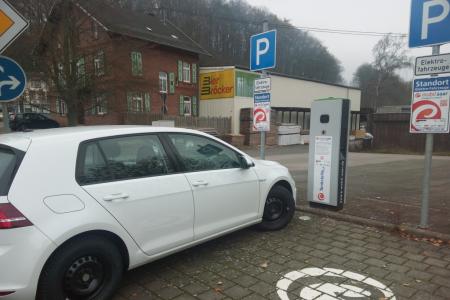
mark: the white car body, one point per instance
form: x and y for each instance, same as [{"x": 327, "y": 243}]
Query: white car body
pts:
[{"x": 154, "y": 219}]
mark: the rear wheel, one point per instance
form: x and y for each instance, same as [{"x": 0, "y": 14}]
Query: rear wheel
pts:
[
  {"x": 86, "y": 268},
  {"x": 278, "y": 210}
]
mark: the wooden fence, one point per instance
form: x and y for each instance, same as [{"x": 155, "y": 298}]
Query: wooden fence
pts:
[
  {"x": 222, "y": 125},
  {"x": 391, "y": 132}
]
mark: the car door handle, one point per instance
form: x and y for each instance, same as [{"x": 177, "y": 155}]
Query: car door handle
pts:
[
  {"x": 118, "y": 196},
  {"x": 200, "y": 183}
]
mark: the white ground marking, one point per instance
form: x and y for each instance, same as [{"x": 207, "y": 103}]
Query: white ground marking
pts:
[{"x": 331, "y": 290}]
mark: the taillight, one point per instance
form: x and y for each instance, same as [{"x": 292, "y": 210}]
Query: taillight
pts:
[
  {"x": 6, "y": 293},
  {"x": 10, "y": 217}
]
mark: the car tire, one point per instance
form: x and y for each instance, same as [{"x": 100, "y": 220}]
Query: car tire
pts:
[
  {"x": 278, "y": 210},
  {"x": 23, "y": 127},
  {"x": 85, "y": 268}
]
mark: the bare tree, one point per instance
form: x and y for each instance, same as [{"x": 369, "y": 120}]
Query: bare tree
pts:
[
  {"x": 63, "y": 60},
  {"x": 390, "y": 55}
]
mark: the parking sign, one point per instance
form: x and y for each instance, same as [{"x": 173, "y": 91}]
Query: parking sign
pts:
[
  {"x": 263, "y": 50},
  {"x": 429, "y": 23}
]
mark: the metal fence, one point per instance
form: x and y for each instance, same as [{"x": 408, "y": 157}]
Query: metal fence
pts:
[{"x": 222, "y": 125}]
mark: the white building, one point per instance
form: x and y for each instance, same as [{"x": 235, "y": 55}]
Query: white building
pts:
[{"x": 224, "y": 91}]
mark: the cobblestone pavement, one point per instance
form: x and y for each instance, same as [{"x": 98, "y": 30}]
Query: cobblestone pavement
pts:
[{"x": 249, "y": 264}]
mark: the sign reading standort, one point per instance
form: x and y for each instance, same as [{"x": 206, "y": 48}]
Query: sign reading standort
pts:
[
  {"x": 430, "y": 105},
  {"x": 433, "y": 64}
]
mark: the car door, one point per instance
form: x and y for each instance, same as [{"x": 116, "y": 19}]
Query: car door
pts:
[
  {"x": 225, "y": 195},
  {"x": 133, "y": 178}
]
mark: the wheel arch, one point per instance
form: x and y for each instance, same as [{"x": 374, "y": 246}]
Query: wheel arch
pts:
[{"x": 114, "y": 238}]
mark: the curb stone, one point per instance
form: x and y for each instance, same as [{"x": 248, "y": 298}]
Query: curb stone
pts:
[{"x": 385, "y": 226}]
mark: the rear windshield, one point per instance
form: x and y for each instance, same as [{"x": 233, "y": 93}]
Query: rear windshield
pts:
[{"x": 9, "y": 162}]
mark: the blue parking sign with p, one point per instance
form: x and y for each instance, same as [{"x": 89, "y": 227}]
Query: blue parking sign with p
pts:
[
  {"x": 430, "y": 23},
  {"x": 263, "y": 50}
]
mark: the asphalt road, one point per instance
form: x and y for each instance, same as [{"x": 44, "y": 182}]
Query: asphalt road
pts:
[{"x": 383, "y": 187}]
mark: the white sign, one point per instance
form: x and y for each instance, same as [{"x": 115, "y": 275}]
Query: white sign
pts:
[
  {"x": 12, "y": 24},
  {"x": 434, "y": 64},
  {"x": 262, "y": 85},
  {"x": 430, "y": 105},
  {"x": 332, "y": 284},
  {"x": 261, "y": 112},
  {"x": 322, "y": 169}
]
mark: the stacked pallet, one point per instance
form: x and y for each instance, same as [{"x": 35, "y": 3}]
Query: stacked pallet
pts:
[
  {"x": 251, "y": 137},
  {"x": 288, "y": 134}
]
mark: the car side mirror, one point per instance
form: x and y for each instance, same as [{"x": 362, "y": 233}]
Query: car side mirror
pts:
[{"x": 246, "y": 163}]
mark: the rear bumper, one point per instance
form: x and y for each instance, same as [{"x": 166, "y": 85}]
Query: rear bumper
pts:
[{"x": 23, "y": 253}]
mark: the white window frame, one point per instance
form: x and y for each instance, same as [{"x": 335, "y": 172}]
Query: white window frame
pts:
[
  {"x": 99, "y": 63},
  {"x": 187, "y": 106},
  {"x": 163, "y": 82},
  {"x": 137, "y": 102},
  {"x": 186, "y": 72},
  {"x": 61, "y": 107}
]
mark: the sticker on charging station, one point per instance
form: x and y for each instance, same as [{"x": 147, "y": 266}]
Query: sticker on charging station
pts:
[{"x": 322, "y": 169}]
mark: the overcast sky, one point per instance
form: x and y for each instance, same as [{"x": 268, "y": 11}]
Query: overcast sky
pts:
[{"x": 361, "y": 15}]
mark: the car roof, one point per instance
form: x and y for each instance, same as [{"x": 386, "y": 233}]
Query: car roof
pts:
[{"x": 21, "y": 140}]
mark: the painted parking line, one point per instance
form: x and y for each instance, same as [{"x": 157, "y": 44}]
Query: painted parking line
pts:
[{"x": 329, "y": 284}]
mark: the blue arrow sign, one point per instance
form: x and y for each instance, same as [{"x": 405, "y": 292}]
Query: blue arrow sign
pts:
[
  {"x": 263, "y": 50},
  {"x": 429, "y": 23},
  {"x": 12, "y": 79}
]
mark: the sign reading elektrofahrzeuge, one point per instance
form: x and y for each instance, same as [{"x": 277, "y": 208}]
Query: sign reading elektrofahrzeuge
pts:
[
  {"x": 430, "y": 105},
  {"x": 12, "y": 24},
  {"x": 262, "y": 85},
  {"x": 432, "y": 64}
]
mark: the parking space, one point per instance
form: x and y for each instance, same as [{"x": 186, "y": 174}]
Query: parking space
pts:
[{"x": 318, "y": 258}]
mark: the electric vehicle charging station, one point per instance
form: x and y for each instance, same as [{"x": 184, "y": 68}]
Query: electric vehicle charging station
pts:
[{"x": 328, "y": 151}]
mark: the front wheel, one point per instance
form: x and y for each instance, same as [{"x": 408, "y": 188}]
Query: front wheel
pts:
[
  {"x": 279, "y": 209},
  {"x": 88, "y": 268}
]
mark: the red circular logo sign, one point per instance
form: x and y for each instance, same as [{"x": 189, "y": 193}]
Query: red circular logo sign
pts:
[{"x": 321, "y": 196}]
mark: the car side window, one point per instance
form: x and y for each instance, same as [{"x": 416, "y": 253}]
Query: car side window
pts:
[
  {"x": 200, "y": 153},
  {"x": 123, "y": 158}
]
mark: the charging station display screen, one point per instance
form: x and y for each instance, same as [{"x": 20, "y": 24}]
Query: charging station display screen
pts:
[{"x": 322, "y": 168}]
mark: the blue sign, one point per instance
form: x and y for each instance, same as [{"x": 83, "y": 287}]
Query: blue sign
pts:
[
  {"x": 260, "y": 98},
  {"x": 432, "y": 84},
  {"x": 12, "y": 79},
  {"x": 429, "y": 23},
  {"x": 263, "y": 50}
]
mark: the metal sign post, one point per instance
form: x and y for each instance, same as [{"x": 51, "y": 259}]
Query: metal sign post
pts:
[
  {"x": 425, "y": 207},
  {"x": 262, "y": 57},
  {"x": 429, "y": 25}
]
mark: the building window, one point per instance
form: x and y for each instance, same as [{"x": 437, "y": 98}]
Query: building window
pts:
[
  {"x": 81, "y": 71},
  {"x": 99, "y": 105},
  {"x": 35, "y": 84},
  {"x": 187, "y": 106},
  {"x": 138, "y": 102},
  {"x": 61, "y": 107},
  {"x": 99, "y": 63},
  {"x": 94, "y": 29},
  {"x": 163, "y": 82},
  {"x": 136, "y": 63},
  {"x": 186, "y": 72}
]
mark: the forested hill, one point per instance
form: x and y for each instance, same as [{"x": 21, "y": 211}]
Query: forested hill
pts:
[{"x": 223, "y": 27}]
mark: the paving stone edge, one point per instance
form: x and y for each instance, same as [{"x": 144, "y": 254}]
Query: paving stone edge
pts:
[{"x": 385, "y": 226}]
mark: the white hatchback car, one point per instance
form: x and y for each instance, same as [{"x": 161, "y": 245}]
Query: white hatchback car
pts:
[{"x": 79, "y": 206}]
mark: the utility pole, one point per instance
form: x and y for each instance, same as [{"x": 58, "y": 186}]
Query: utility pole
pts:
[
  {"x": 5, "y": 118},
  {"x": 262, "y": 149}
]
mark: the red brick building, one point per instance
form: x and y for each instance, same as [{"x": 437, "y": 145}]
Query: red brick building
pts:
[{"x": 139, "y": 63}]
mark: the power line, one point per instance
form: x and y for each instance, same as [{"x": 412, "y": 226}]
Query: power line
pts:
[{"x": 288, "y": 26}]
